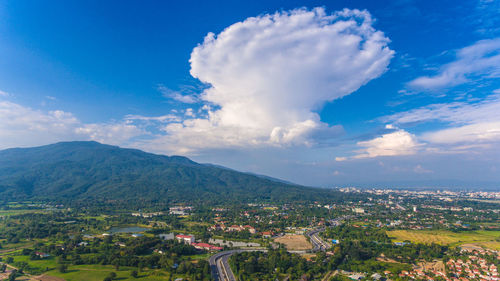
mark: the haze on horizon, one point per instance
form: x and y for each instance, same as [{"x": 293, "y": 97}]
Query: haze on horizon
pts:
[{"x": 318, "y": 93}]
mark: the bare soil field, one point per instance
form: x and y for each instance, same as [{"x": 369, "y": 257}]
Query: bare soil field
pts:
[
  {"x": 48, "y": 278},
  {"x": 431, "y": 266},
  {"x": 294, "y": 242}
]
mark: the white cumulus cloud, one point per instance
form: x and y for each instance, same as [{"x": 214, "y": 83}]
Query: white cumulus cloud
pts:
[
  {"x": 396, "y": 143},
  {"x": 23, "y": 126},
  {"x": 269, "y": 74}
]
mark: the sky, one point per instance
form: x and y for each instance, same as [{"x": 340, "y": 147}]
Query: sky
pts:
[{"x": 395, "y": 93}]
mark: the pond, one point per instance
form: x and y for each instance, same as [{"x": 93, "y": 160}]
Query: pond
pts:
[{"x": 128, "y": 229}]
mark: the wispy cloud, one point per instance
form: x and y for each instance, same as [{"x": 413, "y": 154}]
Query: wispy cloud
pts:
[
  {"x": 163, "y": 118},
  {"x": 177, "y": 95},
  {"x": 464, "y": 122},
  {"x": 483, "y": 110},
  {"x": 480, "y": 59}
]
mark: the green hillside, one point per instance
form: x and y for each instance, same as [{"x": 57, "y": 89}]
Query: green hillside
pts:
[{"x": 90, "y": 170}]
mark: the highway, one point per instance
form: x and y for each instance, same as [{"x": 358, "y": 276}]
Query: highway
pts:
[
  {"x": 221, "y": 271},
  {"x": 219, "y": 265},
  {"x": 318, "y": 243}
]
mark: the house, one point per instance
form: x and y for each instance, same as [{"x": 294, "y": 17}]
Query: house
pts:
[
  {"x": 205, "y": 246},
  {"x": 234, "y": 228},
  {"x": 250, "y": 229},
  {"x": 266, "y": 234},
  {"x": 188, "y": 239},
  {"x": 42, "y": 255}
]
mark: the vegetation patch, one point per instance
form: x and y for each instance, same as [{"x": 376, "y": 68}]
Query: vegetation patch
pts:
[{"x": 443, "y": 237}]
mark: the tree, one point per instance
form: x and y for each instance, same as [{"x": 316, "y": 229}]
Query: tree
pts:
[
  {"x": 134, "y": 273},
  {"x": 12, "y": 276},
  {"x": 62, "y": 268},
  {"x": 3, "y": 268}
]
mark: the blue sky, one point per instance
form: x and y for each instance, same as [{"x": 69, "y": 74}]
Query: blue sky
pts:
[{"x": 325, "y": 93}]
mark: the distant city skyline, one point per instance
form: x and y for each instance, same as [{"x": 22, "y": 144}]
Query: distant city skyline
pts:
[{"x": 321, "y": 93}]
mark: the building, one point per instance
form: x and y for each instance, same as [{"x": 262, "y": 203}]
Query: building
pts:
[
  {"x": 267, "y": 234},
  {"x": 234, "y": 228},
  {"x": 42, "y": 255},
  {"x": 207, "y": 247},
  {"x": 250, "y": 229},
  {"x": 188, "y": 239},
  {"x": 358, "y": 210},
  {"x": 167, "y": 236}
]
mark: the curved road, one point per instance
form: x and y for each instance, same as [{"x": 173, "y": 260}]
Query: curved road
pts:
[
  {"x": 219, "y": 265},
  {"x": 318, "y": 243},
  {"x": 221, "y": 271}
]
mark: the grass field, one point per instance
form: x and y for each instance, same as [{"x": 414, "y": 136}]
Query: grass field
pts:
[
  {"x": 7, "y": 213},
  {"x": 42, "y": 264},
  {"x": 99, "y": 272},
  {"x": 90, "y": 272},
  {"x": 483, "y": 238}
]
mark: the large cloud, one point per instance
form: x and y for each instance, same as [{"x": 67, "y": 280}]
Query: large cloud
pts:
[{"x": 269, "y": 74}]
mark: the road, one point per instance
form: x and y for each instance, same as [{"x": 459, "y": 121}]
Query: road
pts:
[
  {"x": 220, "y": 268},
  {"x": 221, "y": 271},
  {"x": 318, "y": 243},
  {"x": 219, "y": 265}
]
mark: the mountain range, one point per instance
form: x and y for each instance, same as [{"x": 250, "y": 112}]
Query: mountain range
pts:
[{"x": 69, "y": 171}]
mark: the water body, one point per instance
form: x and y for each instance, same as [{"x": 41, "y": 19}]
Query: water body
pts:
[{"x": 129, "y": 229}]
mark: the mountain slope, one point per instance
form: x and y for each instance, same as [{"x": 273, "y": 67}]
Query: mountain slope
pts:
[{"x": 90, "y": 170}]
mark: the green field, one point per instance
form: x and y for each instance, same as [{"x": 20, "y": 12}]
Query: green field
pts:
[
  {"x": 89, "y": 272},
  {"x": 489, "y": 239},
  {"x": 6, "y": 213},
  {"x": 98, "y": 272}
]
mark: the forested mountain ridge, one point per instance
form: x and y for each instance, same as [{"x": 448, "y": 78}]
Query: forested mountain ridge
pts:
[{"x": 90, "y": 170}]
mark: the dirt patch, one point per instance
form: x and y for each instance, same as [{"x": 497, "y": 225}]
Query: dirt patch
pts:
[
  {"x": 48, "y": 278},
  {"x": 471, "y": 247},
  {"x": 294, "y": 242},
  {"x": 431, "y": 266},
  {"x": 308, "y": 256},
  {"x": 383, "y": 258}
]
